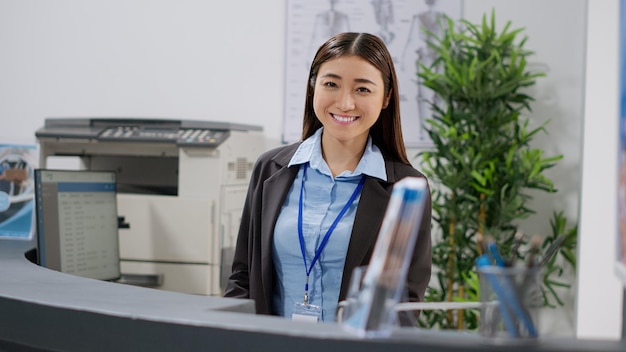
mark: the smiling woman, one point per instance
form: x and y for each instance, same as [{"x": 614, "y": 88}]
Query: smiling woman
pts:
[
  {"x": 349, "y": 96},
  {"x": 331, "y": 189}
]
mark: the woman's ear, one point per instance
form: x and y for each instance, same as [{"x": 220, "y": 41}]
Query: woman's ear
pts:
[{"x": 386, "y": 101}]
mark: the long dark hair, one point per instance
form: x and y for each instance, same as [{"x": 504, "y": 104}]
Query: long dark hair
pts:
[{"x": 386, "y": 133}]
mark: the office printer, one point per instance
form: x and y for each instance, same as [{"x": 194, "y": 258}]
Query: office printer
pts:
[{"x": 181, "y": 189}]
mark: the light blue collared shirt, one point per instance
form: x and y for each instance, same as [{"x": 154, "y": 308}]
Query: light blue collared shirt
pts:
[{"x": 324, "y": 197}]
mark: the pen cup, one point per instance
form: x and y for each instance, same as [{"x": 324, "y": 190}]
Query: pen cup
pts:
[{"x": 511, "y": 300}]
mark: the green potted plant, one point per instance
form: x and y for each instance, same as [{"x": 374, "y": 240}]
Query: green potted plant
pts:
[{"x": 482, "y": 164}]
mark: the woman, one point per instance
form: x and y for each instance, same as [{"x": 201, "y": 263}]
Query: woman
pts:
[{"x": 314, "y": 208}]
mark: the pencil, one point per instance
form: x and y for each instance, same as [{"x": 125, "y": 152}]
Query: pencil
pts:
[
  {"x": 552, "y": 249},
  {"x": 535, "y": 243}
]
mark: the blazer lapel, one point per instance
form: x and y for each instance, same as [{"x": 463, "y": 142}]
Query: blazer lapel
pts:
[
  {"x": 365, "y": 230},
  {"x": 367, "y": 222},
  {"x": 275, "y": 190}
]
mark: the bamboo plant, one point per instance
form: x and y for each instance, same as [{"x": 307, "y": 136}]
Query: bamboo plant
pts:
[{"x": 482, "y": 165}]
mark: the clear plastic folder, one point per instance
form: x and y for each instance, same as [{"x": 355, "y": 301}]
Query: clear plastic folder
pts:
[{"x": 375, "y": 291}]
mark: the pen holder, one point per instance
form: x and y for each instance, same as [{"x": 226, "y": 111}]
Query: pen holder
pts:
[{"x": 510, "y": 303}]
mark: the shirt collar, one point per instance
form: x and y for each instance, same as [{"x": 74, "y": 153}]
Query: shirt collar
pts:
[{"x": 372, "y": 162}]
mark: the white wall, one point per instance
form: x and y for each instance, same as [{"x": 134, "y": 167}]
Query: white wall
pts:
[
  {"x": 599, "y": 303},
  {"x": 183, "y": 59},
  {"x": 224, "y": 61}
]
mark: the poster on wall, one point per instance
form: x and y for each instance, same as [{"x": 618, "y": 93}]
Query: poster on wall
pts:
[
  {"x": 399, "y": 23},
  {"x": 17, "y": 165},
  {"x": 621, "y": 188}
]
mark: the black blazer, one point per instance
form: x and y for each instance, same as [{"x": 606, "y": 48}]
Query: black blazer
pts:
[{"x": 253, "y": 270}]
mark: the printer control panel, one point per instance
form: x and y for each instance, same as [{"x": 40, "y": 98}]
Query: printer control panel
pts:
[
  {"x": 201, "y": 137},
  {"x": 182, "y": 133}
]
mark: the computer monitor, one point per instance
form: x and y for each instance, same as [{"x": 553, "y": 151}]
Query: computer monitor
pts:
[{"x": 77, "y": 223}]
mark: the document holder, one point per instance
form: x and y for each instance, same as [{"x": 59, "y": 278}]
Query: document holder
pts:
[{"x": 370, "y": 307}]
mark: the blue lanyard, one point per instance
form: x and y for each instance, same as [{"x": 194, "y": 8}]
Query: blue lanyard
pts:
[{"x": 319, "y": 250}]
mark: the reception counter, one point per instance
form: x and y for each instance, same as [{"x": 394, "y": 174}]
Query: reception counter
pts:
[{"x": 45, "y": 310}]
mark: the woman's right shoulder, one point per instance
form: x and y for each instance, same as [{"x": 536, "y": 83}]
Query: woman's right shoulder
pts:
[
  {"x": 280, "y": 154},
  {"x": 272, "y": 161}
]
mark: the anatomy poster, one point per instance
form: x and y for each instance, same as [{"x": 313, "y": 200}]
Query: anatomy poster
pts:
[
  {"x": 17, "y": 164},
  {"x": 399, "y": 23}
]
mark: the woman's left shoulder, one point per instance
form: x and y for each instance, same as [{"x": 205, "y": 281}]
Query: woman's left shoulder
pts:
[{"x": 402, "y": 170}]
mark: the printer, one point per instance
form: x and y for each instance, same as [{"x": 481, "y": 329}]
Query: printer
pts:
[{"x": 181, "y": 188}]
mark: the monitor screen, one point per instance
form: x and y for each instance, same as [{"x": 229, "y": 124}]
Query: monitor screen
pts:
[{"x": 77, "y": 226}]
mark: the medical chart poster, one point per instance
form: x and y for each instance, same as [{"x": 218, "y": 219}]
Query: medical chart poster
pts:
[
  {"x": 17, "y": 164},
  {"x": 399, "y": 23}
]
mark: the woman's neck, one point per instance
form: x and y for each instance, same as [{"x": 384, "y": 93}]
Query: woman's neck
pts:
[{"x": 341, "y": 156}]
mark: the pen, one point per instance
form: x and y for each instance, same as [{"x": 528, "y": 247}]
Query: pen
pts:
[
  {"x": 517, "y": 241},
  {"x": 552, "y": 249},
  {"x": 535, "y": 243},
  {"x": 492, "y": 247},
  {"x": 509, "y": 323}
]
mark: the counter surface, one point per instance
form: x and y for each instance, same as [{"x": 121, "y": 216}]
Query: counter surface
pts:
[{"x": 47, "y": 310}]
